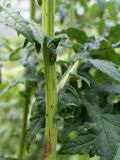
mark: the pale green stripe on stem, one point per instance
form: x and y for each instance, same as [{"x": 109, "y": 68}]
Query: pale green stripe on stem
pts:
[{"x": 48, "y": 12}]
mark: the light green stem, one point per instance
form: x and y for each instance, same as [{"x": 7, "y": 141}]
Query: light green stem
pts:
[
  {"x": 27, "y": 99},
  {"x": 48, "y": 7},
  {"x": 0, "y": 74},
  {"x": 72, "y": 19},
  {"x": 72, "y": 12},
  {"x": 32, "y": 9},
  {"x": 84, "y": 157},
  {"x": 24, "y": 124}
]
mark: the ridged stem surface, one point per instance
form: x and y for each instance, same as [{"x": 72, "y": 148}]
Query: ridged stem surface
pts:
[{"x": 48, "y": 12}]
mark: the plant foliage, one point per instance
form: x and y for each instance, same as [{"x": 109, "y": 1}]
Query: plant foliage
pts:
[{"x": 88, "y": 85}]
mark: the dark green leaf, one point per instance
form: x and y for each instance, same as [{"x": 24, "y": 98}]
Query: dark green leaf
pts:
[
  {"x": 102, "y": 139},
  {"x": 7, "y": 158},
  {"x": 39, "y": 2},
  {"x": 37, "y": 47},
  {"x": 101, "y": 4},
  {"x": 80, "y": 78},
  {"x": 25, "y": 43},
  {"x": 12, "y": 84},
  {"x": 76, "y": 34},
  {"x": 79, "y": 145},
  {"x": 37, "y": 118},
  {"x": 33, "y": 129},
  {"x": 117, "y": 156},
  {"x": 106, "y": 67},
  {"x": 13, "y": 19},
  {"x": 112, "y": 88},
  {"x": 114, "y": 34},
  {"x": 14, "y": 55}
]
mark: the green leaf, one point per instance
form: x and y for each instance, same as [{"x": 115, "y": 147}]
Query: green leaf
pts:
[
  {"x": 33, "y": 129},
  {"x": 111, "y": 88},
  {"x": 37, "y": 47},
  {"x": 79, "y": 145},
  {"x": 76, "y": 34},
  {"x": 25, "y": 43},
  {"x": 29, "y": 29},
  {"x": 68, "y": 101},
  {"x": 117, "y": 156},
  {"x": 105, "y": 50},
  {"x": 107, "y": 130},
  {"x": 53, "y": 44},
  {"x": 12, "y": 84},
  {"x": 106, "y": 67},
  {"x": 37, "y": 33},
  {"x": 39, "y": 2},
  {"x": 72, "y": 68},
  {"x": 102, "y": 139},
  {"x": 101, "y": 4},
  {"x": 14, "y": 55},
  {"x": 80, "y": 78},
  {"x": 7, "y": 158},
  {"x": 111, "y": 6},
  {"x": 102, "y": 49},
  {"x": 37, "y": 118},
  {"x": 114, "y": 34}
]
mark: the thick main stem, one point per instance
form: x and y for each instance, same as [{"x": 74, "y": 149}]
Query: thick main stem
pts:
[{"x": 48, "y": 11}]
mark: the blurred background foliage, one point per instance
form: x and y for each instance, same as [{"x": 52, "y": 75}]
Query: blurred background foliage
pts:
[{"x": 18, "y": 65}]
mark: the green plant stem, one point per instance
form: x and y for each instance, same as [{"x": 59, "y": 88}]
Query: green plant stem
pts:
[
  {"x": 32, "y": 9},
  {"x": 27, "y": 99},
  {"x": 48, "y": 7},
  {"x": 24, "y": 123},
  {"x": 71, "y": 17},
  {"x": 72, "y": 12},
  {"x": 0, "y": 75},
  {"x": 84, "y": 157}
]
